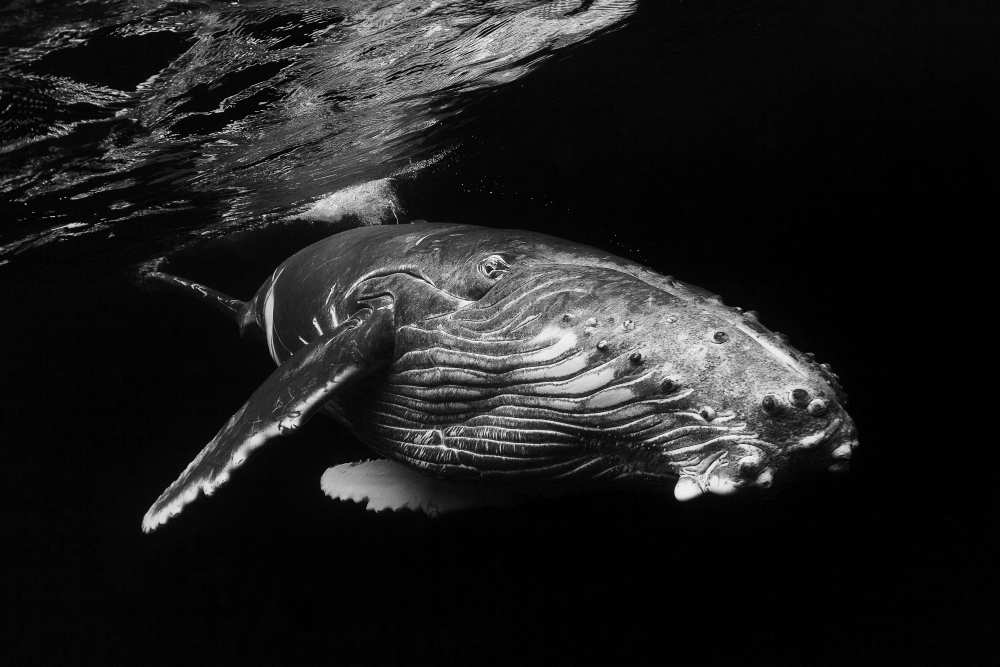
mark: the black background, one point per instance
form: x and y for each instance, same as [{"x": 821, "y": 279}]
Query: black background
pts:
[{"x": 809, "y": 163}]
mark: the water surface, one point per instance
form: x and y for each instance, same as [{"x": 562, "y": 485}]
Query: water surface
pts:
[{"x": 163, "y": 121}]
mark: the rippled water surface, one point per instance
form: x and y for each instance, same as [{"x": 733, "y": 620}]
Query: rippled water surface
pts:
[{"x": 129, "y": 117}]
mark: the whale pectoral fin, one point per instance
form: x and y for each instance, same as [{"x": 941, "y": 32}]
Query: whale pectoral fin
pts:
[
  {"x": 387, "y": 485},
  {"x": 289, "y": 397}
]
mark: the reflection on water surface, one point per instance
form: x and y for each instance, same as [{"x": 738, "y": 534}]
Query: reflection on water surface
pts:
[{"x": 156, "y": 120}]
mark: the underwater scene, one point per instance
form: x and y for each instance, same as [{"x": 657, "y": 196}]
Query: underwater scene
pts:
[{"x": 803, "y": 161}]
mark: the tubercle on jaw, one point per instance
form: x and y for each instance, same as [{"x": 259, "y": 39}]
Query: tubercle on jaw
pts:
[
  {"x": 689, "y": 487},
  {"x": 722, "y": 473}
]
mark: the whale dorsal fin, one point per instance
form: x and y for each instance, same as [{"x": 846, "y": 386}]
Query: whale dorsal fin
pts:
[
  {"x": 286, "y": 400},
  {"x": 382, "y": 484}
]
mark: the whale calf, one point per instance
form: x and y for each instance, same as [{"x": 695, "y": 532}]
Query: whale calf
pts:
[{"x": 477, "y": 361}]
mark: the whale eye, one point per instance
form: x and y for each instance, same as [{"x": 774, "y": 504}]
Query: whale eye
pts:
[
  {"x": 494, "y": 267},
  {"x": 720, "y": 337}
]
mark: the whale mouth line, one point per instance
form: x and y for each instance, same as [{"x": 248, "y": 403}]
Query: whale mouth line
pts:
[
  {"x": 819, "y": 437},
  {"x": 739, "y": 463}
]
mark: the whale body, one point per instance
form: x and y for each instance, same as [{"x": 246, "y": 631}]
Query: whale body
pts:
[{"x": 484, "y": 361}]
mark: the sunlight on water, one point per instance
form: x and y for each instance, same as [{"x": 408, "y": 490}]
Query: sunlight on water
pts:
[{"x": 156, "y": 121}]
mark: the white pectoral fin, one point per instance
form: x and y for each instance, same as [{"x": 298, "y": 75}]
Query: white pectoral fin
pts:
[
  {"x": 284, "y": 402},
  {"x": 387, "y": 485}
]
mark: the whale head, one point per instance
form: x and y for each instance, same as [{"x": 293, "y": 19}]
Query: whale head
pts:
[
  {"x": 659, "y": 382},
  {"x": 568, "y": 362}
]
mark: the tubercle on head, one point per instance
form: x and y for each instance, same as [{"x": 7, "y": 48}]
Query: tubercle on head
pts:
[
  {"x": 793, "y": 401},
  {"x": 748, "y": 323},
  {"x": 751, "y": 319}
]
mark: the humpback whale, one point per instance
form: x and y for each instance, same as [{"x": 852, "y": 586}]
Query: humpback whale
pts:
[{"x": 480, "y": 363}]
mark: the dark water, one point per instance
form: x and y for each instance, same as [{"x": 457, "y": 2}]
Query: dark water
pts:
[{"x": 809, "y": 162}]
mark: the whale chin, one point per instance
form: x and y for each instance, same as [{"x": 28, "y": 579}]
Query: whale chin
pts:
[
  {"x": 731, "y": 468},
  {"x": 688, "y": 487}
]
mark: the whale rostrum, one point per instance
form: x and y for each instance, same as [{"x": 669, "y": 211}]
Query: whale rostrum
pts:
[{"x": 483, "y": 365}]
